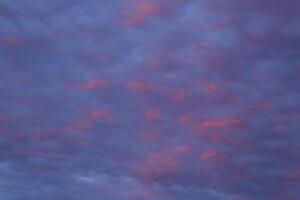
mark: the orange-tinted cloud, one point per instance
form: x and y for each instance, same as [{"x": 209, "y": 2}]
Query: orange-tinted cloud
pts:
[
  {"x": 152, "y": 114},
  {"x": 137, "y": 86},
  {"x": 212, "y": 156},
  {"x": 210, "y": 87},
  {"x": 159, "y": 166},
  {"x": 184, "y": 118},
  {"x": 139, "y": 12},
  {"x": 90, "y": 85},
  {"x": 178, "y": 96},
  {"x": 217, "y": 123},
  {"x": 100, "y": 115}
]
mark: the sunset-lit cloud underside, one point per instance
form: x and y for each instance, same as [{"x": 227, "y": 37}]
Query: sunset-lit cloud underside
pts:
[{"x": 149, "y": 100}]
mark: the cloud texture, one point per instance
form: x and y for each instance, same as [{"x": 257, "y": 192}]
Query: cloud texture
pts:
[{"x": 149, "y": 100}]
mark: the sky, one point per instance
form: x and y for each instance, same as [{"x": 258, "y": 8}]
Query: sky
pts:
[{"x": 149, "y": 100}]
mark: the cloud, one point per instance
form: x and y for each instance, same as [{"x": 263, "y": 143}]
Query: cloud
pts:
[{"x": 149, "y": 100}]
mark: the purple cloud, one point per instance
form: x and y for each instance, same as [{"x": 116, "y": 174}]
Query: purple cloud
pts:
[{"x": 149, "y": 100}]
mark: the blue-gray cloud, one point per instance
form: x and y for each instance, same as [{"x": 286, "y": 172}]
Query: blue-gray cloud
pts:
[{"x": 149, "y": 100}]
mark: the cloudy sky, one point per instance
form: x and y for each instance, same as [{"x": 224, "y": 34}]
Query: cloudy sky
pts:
[{"x": 149, "y": 100}]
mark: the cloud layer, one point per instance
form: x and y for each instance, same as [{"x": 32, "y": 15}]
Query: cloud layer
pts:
[{"x": 149, "y": 99}]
